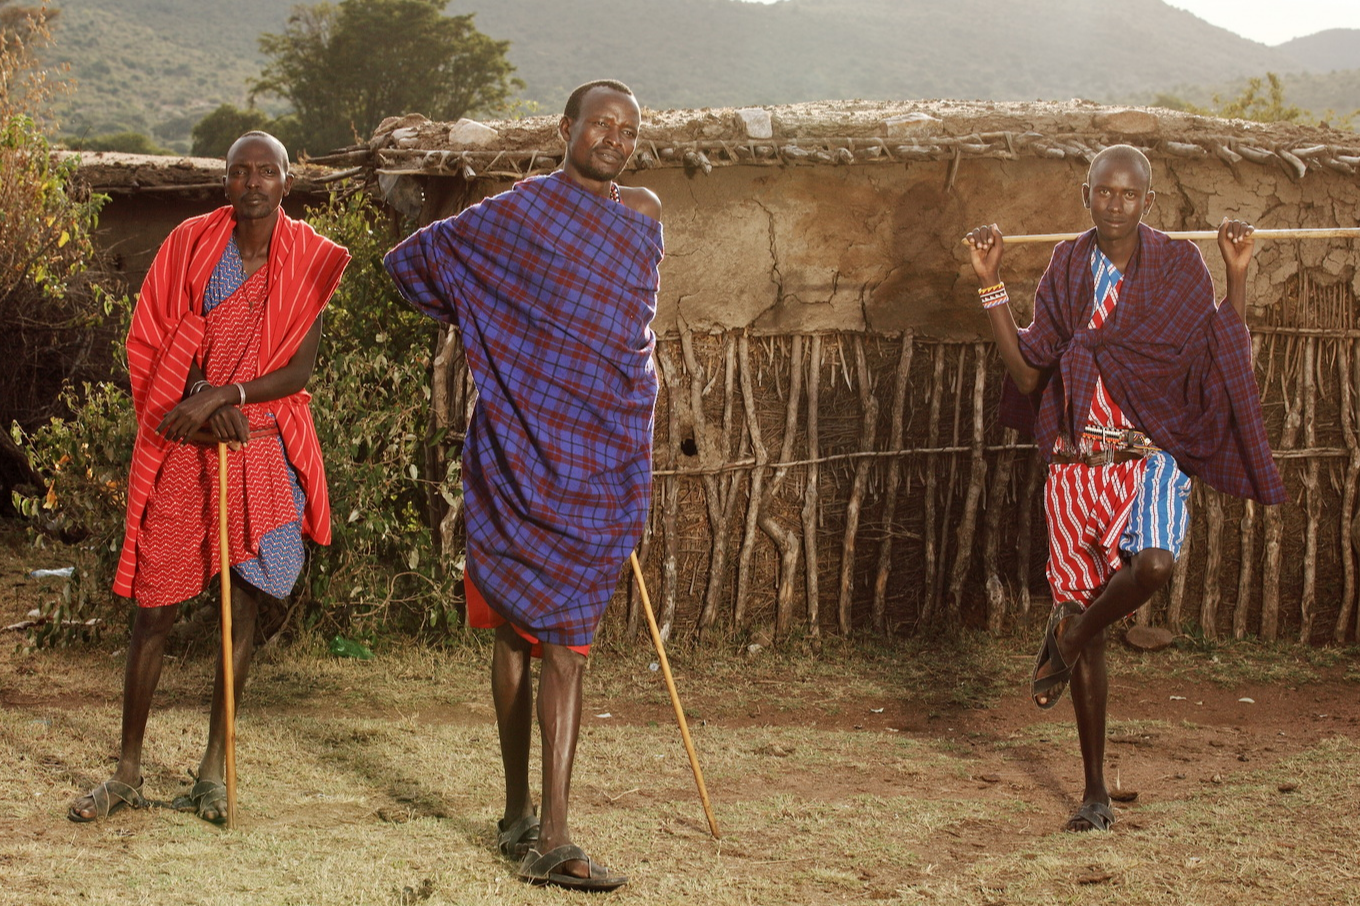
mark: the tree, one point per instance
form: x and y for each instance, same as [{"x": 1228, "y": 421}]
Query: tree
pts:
[
  {"x": 54, "y": 297},
  {"x": 1250, "y": 105},
  {"x": 214, "y": 133},
  {"x": 345, "y": 67}
]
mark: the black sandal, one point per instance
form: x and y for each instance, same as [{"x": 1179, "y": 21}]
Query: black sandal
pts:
[
  {"x": 1051, "y": 686},
  {"x": 515, "y": 839},
  {"x": 204, "y": 794},
  {"x": 1097, "y": 814},
  {"x": 540, "y": 868}
]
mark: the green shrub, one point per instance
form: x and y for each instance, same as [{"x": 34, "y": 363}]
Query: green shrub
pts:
[
  {"x": 126, "y": 142},
  {"x": 85, "y": 462},
  {"x": 372, "y": 410}
]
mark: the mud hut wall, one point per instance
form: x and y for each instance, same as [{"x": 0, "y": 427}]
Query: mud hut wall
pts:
[
  {"x": 132, "y": 226},
  {"x": 868, "y": 259}
]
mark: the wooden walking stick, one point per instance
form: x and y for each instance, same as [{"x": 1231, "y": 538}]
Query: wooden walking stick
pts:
[
  {"x": 1322, "y": 233},
  {"x": 675, "y": 697},
  {"x": 228, "y": 671}
]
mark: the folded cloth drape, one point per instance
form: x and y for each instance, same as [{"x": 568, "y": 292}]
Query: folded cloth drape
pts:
[{"x": 554, "y": 289}]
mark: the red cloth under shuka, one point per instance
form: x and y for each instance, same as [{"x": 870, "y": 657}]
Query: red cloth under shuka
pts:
[{"x": 167, "y": 334}]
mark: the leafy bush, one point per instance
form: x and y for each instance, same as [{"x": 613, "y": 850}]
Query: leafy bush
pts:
[
  {"x": 85, "y": 461},
  {"x": 126, "y": 142},
  {"x": 214, "y": 133},
  {"x": 372, "y": 410}
]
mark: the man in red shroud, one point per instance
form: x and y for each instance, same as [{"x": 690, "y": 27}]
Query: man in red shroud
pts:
[{"x": 223, "y": 340}]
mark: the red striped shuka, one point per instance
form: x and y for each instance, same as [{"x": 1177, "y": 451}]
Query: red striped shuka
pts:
[{"x": 168, "y": 333}]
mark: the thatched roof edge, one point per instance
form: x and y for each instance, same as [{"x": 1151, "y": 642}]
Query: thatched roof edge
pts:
[
  {"x": 853, "y": 133},
  {"x": 115, "y": 173}
]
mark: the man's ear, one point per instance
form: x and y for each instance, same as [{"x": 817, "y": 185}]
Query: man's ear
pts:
[
  {"x": 1148, "y": 201},
  {"x": 564, "y": 128},
  {"x": 1086, "y": 196}
]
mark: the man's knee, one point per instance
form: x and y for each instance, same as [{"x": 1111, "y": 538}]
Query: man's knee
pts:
[
  {"x": 153, "y": 622},
  {"x": 510, "y": 642},
  {"x": 1152, "y": 567},
  {"x": 565, "y": 665},
  {"x": 561, "y": 656},
  {"x": 245, "y": 601}
]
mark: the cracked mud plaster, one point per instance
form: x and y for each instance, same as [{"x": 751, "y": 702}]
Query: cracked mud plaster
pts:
[{"x": 879, "y": 248}]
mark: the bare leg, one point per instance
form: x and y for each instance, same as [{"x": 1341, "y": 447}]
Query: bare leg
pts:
[
  {"x": 1128, "y": 589},
  {"x": 1090, "y": 698},
  {"x": 1083, "y": 637},
  {"x": 512, "y": 692},
  {"x": 559, "y": 721},
  {"x": 146, "y": 656},
  {"x": 245, "y": 607}
]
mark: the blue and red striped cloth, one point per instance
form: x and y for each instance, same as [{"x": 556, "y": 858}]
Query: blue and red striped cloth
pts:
[{"x": 554, "y": 290}]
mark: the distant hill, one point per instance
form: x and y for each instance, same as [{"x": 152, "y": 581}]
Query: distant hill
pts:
[
  {"x": 1326, "y": 51},
  {"x": 156, "y": 66},
  {"x": 1320, "y": 92},
  {"x": 690, "y": 53}
]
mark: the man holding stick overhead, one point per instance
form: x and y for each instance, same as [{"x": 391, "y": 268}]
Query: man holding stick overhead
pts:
[
  {"x": 222, "y": 343},
  {"x": 1138, "y": 380},
  {"x": 553, "y": 286}
]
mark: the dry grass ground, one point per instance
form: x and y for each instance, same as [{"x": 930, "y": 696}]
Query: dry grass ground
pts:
[{"x": 377, "y": 782}]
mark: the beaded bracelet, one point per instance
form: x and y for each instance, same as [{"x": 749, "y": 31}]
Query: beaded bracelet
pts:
[
  {"x": 995, "y": 296},
  {"x": 988, "y": 290}
]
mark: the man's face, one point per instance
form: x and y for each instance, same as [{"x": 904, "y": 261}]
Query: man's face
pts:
[
  {"x": 1118, "y": 196},
  {"x": 257, "y": 178},
  {"x": 602, "y": 138}
]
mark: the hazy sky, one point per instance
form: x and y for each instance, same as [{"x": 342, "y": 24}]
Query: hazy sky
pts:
[{"x": 1267, "y": 21}]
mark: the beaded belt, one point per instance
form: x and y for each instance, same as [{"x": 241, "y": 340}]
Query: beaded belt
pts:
[
  {"x": 1121, "y": 438},
  {"x": 1117, "y": 445}
]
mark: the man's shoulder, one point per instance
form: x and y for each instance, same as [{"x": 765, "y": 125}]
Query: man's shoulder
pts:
[
  {"x": 200, "y": 222},
  {"x": 1176, "y": 252},
  {"x": 641, "y": 199},
  {"x": 514, "y": 198},
  {"x": 305, "y": 235}
]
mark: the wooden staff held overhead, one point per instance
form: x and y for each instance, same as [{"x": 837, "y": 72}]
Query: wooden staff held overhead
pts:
[
  {"x": 1322, "y": 233},
  {"x": 675, "y": 697},
  {"x": 228, "y": 672}
]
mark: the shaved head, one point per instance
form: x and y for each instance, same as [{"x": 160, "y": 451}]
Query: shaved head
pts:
[
  {"x": 263, "y": 138},
  {"x": 1124, "y": 155}
]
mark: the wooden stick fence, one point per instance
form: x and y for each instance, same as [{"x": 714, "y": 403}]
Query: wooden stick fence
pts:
[{"x": 858, "y": 483}]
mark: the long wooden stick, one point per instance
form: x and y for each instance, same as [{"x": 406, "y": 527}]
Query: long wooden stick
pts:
[
  {"x": 1324, "y": 233},
  {"x": 675, "y": 696},
  {"x": 228, "y": 677}
]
